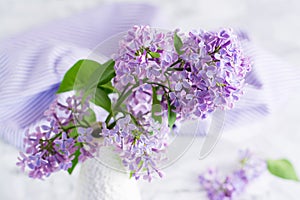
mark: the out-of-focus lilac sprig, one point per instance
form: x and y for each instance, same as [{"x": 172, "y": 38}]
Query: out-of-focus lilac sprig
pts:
[
  {"x": 54, "y": 145},
  {"x": 231, "y": 186}
]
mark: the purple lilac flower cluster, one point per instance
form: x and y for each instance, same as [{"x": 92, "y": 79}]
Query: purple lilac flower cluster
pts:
[
  {"x": 144, "y": 55},
  {"x": 155, "y": 78},
  {"x": 160, "y": 77},
  {"x": 228, "y": 188},
  {"x": 208, "y": 71},
  {"x": 141, "y": 146},
  {"x": 55, "y": 144},
  {"x": 214, "y": 69},
  {"x": 141, "y": 64}
]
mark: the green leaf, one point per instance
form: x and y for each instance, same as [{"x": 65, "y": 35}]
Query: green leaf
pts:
[
  {"x": 102, "y": 74},
  {"x": 107, "y": 87},
  {"x": 171, "y": 114},
  {"x": 74, "y": 161},
  {"x": 282, "y": 168},
  {"x": 78, "y": 144},
  {"x": 77, "y": 76},
  {"x": 156, "y": 106},
  {"x": 101, "y": 99},
  {"x": 178, "y": 44},
  {"x": 154, "y": 54}
]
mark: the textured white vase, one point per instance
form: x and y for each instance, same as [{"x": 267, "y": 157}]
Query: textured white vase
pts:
[{"x": 98, "y": 181}]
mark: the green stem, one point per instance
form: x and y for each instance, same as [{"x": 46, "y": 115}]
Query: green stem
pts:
[
  {"x": 177, "y": 62},
  {"x": 108, "y": 118},
  {"x": 175, "y": 69},
  {"x": 215, "y": 51},
  {"x": 124, "y": 96},
  {"x": 48, "y": 147},
  {"x": 153, "y": 83}
]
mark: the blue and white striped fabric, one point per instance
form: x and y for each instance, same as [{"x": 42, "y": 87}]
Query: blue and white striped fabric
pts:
[
  {"x": 33, "y": 64},
  {"x": 271, "y": 84}
]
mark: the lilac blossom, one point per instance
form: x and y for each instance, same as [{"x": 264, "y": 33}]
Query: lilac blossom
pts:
[
  {"x": 152, "y": 79},
  {"x": 51, "y": 147},
  {"x": 141, "y": 148},
  {"x": 85, "y": 135},
  {"x": 214, "y": 68},
  {"x": 139, "y": 103},
  {"x": 209, "y": 74},
  {"x": 144, "y": 54},
  {"x": 228, "y": 188}
]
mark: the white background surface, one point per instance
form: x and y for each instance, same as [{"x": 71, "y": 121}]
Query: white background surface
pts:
[{"x": 273, "y": 24}]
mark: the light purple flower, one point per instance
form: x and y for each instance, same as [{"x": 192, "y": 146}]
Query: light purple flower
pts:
[
  {"x": 85, "y": 135},
  {"x": 51, "y": 147},
  {"x": 140, "y": 148},
  {"x": 216, "y": 68},
  {"x": 144, "y": 54},
  {"x": 229, "y": 188}
]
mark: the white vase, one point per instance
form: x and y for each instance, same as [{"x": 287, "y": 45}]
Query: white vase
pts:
[{"x": 99, "y": 181}]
